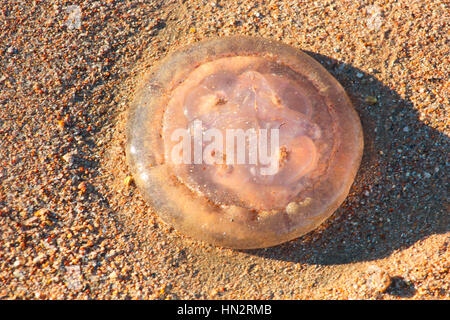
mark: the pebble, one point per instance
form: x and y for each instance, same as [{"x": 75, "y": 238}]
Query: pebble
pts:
[
  {"x": 128, "y": 181},
  {"x": 11, "y": 50},
  {"x": 39, "y": 259},
  {"x": 371, "y": 100},
  {"x": 377, "y": 279},
  {"x": 69, "y": 158}
]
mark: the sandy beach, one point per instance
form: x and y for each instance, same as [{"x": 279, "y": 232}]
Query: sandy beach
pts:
[{"x": 74, "y": 226}]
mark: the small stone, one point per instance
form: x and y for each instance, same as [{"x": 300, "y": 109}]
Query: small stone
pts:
[
  {"x": 41, "y": 212},
  {"x": 128, "y": 181},
  {"x": 61, "y": 124},
  {"x": 371, "y": 100},
  {"x": 359, "y": 75},
  {"x": 406, "y": 129},
  {"x": 72, "y": 276},
  {"x": 69, "y": 158},
  {"x": 82, "y": 187},
  {"x": 17, "y": 263},
  {"x": 11, "y": 50},
  {"x": 378, "y": 280},
  {"x": 19, "y": 274},
  {"x": 30, "y": 221},
  {"x": 39, "y": 259},
  {"x": 214, "y": 292},
  {"x": 113, "y": 275}
]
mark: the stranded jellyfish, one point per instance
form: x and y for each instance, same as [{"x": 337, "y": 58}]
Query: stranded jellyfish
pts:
[{"x": 243, "y": 142}]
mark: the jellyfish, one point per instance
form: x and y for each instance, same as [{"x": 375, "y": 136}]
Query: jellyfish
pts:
[{"x": 243, "y": 142}]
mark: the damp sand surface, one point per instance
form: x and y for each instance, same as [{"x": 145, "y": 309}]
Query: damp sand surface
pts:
[{"x": 74, "y": 226}]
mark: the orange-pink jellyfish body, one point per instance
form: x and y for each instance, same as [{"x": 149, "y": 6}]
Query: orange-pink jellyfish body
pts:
[{"x": 244, "y": 87}]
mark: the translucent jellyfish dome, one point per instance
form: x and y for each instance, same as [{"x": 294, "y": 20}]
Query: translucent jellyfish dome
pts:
[{"x": 243, "y": 142}]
